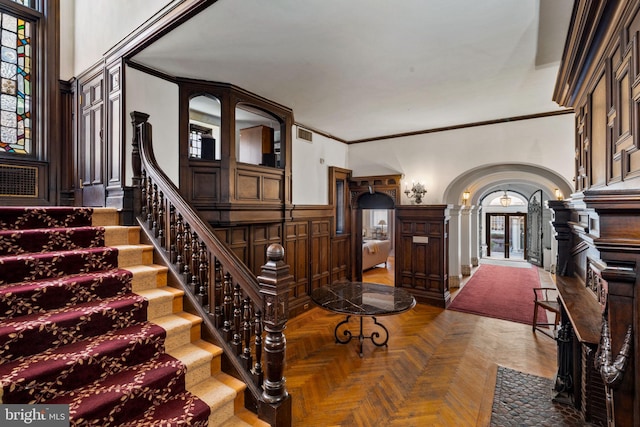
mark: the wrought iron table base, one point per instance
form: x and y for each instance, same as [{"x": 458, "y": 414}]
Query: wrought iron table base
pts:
[{"x": 374, "y": 337}]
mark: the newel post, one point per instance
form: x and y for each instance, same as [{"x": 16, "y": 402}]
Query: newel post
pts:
[
  {"x": 137, "y": 118},
  {"x": 275, "y": 281}
]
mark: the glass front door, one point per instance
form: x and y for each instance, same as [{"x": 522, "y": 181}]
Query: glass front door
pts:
[{"x": 506, "y": 235}]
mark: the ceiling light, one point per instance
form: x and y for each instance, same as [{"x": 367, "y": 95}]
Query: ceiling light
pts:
[{"x": 505, "y": 200}]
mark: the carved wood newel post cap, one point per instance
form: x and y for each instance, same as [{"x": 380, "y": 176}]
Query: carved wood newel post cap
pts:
[{"x": 275, "y": 252}]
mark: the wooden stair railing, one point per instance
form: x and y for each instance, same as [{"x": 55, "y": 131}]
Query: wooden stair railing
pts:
[{"x": 237, "y": 308}]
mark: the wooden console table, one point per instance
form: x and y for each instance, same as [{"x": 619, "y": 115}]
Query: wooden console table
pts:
[{"x": 578, "y": 341}]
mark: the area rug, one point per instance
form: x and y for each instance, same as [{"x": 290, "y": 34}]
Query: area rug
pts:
[
  {"x": 522, "y": 399},
  {"x": 500, "y": 292}
]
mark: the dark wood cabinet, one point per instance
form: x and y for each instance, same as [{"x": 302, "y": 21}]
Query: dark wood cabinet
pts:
[{"x": 422, "y": 252}]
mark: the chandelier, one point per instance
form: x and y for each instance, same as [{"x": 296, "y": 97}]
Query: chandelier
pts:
[{"x": 505, "y": 200}]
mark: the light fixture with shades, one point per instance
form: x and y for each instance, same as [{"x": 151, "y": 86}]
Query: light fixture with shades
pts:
[
  {"x": 382, "y": 223},
  {"x": 505, "y": 200},
  {"x": 465, "y": 197},
  {"x": 558, "y": 194},
  {"x": 417, "y": 192}
]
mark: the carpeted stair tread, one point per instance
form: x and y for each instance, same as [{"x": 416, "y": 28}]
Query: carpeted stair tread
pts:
[
  {"x": 220, "y": 398},
  {"x": 23, "y": 298},
  {"x": 148, "y": 276},
  {"x": 14, "y": 242},
  {"x": 130, "y": 255},
  {"x": 119, "y": 397},
  {"x": 161, "y": 301},
  {"x": 197, "y": 360},
  {"x": 26, "y": 335},
  {"x": 182, "y": 409},
  {"x": 178, "y": 327},
  {"x": 44, "y": 375},
  {"x": 238, "y": 420},
  {"x": 14, "y": 218},
  {"x": 29, "y": 267}
]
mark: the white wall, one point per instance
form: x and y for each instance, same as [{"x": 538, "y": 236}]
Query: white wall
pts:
[
  {"x": 435, "y": 159},
  {"x": 158, "y": 98},
  {"x": 67, "y": 44},
  {"x": 310, "y": 168},
  {"x": 99, "y": 25}
]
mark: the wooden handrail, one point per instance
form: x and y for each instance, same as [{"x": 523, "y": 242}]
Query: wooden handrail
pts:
[{"x": 237, "y": 308}]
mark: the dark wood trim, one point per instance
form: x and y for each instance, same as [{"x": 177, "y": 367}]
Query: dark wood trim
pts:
[
  {"x": 150, "y": 71},
  {"x": 68, "y": 153},
  {"x": 463, "y": 126},
  {"x": 48, "y": 74},
  {"x": 585, "y": 41}
]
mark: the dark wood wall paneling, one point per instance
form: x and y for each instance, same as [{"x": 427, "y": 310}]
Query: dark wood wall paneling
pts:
[
  {"x": 309, "y": 250},
  {"x": 227, "y": 191},
  {"x": 422, "y": 252},
  {"x": 600, "y": 225},
  {"x": 68, "y": 174}
]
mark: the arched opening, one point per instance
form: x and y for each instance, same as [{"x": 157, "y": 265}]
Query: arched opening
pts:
[
  {"x": 375, "y": 218},
  {"x": 470, "y": 192}
]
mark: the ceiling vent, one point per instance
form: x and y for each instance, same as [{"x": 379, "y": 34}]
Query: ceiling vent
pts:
[{"x": 305, "y": 134}]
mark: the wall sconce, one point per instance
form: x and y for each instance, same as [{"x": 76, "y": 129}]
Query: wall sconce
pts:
[
  {"x": 465, "y": 197},
  {"x": 558, "y": 194},
  {"x": 417, "y": 192}
]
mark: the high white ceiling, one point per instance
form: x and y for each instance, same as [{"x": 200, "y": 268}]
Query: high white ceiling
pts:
[{"x": 359, "y": 69}]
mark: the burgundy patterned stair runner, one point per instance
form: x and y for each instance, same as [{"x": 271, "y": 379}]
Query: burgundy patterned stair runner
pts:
[{"x": 72, "y": 332}]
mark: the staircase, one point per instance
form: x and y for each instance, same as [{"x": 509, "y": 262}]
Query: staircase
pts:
[{"x": 87, "y": 320}]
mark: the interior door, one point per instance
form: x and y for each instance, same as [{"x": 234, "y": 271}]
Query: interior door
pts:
[
  {"x": 534, "y": 229},
  {"x": 91, "y": 142}
]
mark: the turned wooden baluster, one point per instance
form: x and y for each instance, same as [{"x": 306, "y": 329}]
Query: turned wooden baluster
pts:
[
  {"x": 275, "y": 281},
  {"x": 154, "y": 211},
  {"x": 236, "y": 343},
  {"x": 203, "y": 275},
  {"x": 149, "y": 202},
  {"x": 246, "y": 333},
  {"x": 172, "y": 234},
  {"x": 179, "y": 243},
  {"x": 160, "y": 231},
  {"x": 143, "y": 195},
  {"x": 195, "y": 263},
  {"x": 186, "y": 254},
  {"x": 228, "y": 307},
  {"x": 217, "y": 296},
  {"x": 257, "y": 368}
]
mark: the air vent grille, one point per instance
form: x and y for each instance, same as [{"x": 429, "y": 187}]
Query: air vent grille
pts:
[
  {"x": 18, "y": 181},
  {"x": 305, "y": 134}
]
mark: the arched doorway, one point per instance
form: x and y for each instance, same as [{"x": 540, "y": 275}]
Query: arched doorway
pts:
[
  {"x": 374, "y": 225},
  {"x": 468, "y": 216}
]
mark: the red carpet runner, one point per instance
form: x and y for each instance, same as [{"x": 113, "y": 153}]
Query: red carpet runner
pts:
[{"x": 500, "y": 292}]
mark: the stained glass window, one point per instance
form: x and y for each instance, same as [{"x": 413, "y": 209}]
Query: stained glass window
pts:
[
  {"x": 24, "y": 2},
  {"x": 15, "y": 92}
]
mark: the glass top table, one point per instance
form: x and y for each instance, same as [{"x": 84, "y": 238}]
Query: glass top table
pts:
[{"x": 363, "y": 299}]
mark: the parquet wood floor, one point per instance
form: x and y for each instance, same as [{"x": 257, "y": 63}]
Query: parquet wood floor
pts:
[{"x": 438, "y": 370}]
